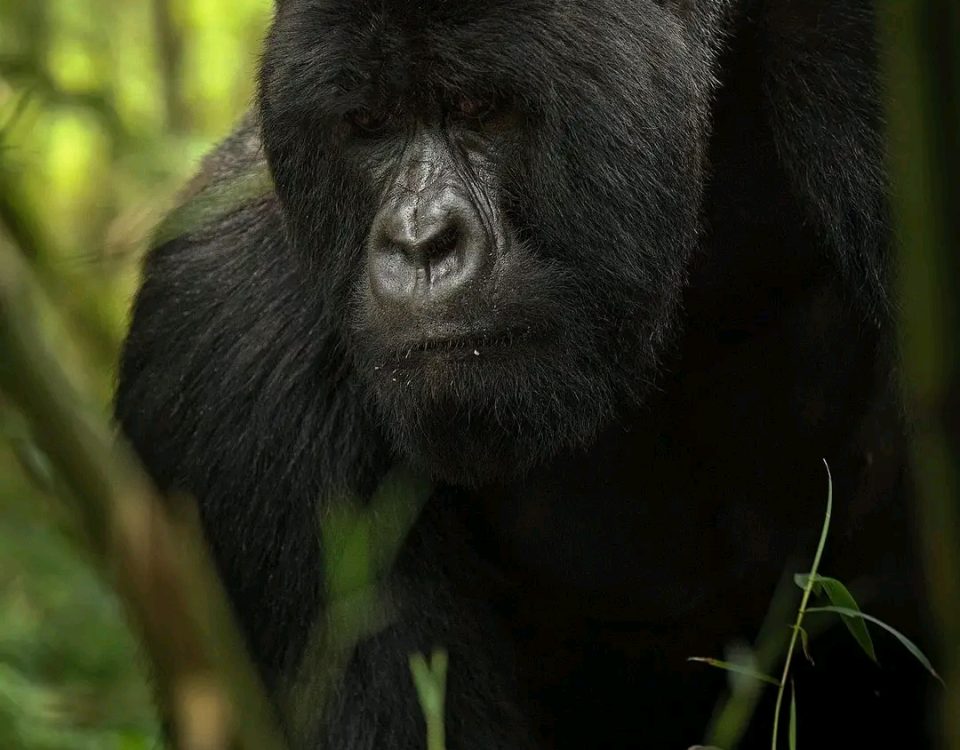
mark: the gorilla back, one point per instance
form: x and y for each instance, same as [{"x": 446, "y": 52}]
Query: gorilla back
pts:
[{"x": 614, "y": 274}]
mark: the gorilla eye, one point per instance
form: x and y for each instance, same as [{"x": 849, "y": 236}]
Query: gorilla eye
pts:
[
  {"x": 366, "y": 121},
  {"x": 475, "y": 109}
]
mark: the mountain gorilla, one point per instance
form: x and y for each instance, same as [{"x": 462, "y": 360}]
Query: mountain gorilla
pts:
[{"x": 614, "y": 273}]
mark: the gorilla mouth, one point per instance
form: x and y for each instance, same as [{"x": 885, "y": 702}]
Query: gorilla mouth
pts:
[
  {"x": 474, "y": 343},
  {"x": 453, "y": 347}
]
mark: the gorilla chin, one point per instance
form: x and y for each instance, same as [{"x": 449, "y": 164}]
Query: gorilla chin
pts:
[
  {"x": 480, "y": 374},
  {"x": 468, "y": 410}
]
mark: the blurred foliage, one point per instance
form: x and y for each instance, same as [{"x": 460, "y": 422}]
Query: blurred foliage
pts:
[{"x": 106, "y": 106}]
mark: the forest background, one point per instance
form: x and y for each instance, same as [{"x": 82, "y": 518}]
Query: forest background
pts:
[{"x": 106, "y": 108}]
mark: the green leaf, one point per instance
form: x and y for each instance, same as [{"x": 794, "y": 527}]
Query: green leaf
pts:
[
  {"x": 906, "y": 642},
  {"x": 840, "y": 596},
  {"x": 737, "y": 668},
  {"x": 430, "y": 680},
  {"x": 805, "y": 642},
  {"x": 792, "y": 736}
]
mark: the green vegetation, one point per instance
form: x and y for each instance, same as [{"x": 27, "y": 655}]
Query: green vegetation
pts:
[
  {"x": 430, "y": 679},
  {"x": 733, "y": 717},
  {"x": 105, "y": 109}
]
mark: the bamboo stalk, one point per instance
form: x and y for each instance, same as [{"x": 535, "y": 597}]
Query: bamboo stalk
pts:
[{"x": 922, "y": 57}]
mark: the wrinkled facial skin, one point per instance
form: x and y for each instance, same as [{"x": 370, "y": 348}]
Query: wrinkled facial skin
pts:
[{"x": 499, "y": 220}]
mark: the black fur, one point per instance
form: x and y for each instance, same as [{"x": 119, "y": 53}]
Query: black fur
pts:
[{"x": 692, "y": 203}]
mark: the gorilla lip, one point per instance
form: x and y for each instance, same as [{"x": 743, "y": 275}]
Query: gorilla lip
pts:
[{"x": 473, "y": 343}]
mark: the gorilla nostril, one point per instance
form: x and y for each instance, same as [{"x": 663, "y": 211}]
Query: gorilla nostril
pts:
[{"x": 442, "y": 244}]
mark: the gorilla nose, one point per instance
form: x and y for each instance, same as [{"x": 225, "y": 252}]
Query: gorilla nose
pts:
[{"x": 424, "y": 251}]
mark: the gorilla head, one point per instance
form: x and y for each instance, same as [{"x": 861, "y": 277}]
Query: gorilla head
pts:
[{"x": 461, "y": 179}]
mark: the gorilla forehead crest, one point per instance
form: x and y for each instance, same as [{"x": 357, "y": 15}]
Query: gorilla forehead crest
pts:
[{"x": 400, "y": 48}]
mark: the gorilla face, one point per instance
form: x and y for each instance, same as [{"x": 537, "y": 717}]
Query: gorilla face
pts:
[{"x": 496, "y": 201}]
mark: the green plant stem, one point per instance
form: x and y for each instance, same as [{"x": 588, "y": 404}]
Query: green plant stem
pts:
[
  {"x": 922, "y": 66},
  {"x": 807, "y": 590},
  {"x": 430, "y": 680},
  {"x": 436, "y": 734}
]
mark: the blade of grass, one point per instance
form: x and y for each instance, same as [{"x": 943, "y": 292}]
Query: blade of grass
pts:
[
  {"x": 805, "y": 644},
  {"x": 840, "y": 596},
  {"x": 907, "y": 643},
  {"x": 792, "y": 734},
  {"x": 735, "y": 711},
  {"x": 737, "y": 668},
  {"x": 803, "y": 608},
  {"x": 431, "y": 683}
]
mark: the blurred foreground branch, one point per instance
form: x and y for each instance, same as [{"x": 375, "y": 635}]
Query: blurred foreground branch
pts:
[
  {"x": 156, "y": 561},
  {"x": 30, "y": 76},
  {"x": 170, "y": 44},
  {"x": 923, "y": 69}
]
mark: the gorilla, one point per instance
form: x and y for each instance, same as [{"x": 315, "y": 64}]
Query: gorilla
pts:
[{"x": 615, "y": 275}]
